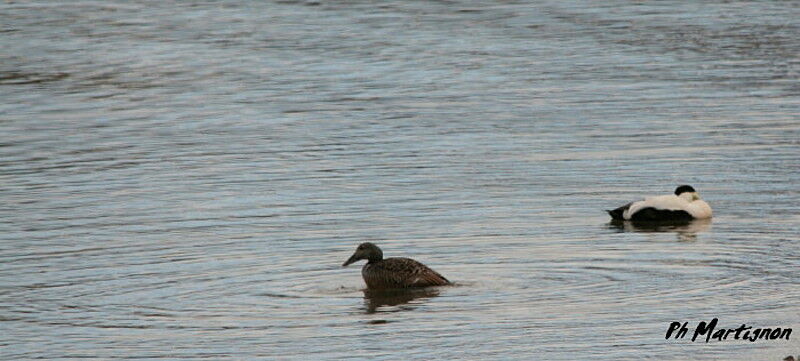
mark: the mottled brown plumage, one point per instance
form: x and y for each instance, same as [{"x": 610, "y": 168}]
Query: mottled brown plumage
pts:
[{"x": 396, "y": 272}]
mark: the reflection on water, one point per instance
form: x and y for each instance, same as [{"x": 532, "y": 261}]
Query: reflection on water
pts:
[
  {"x": 686, "y": 230},
  {"x": 389, "y": 300}
]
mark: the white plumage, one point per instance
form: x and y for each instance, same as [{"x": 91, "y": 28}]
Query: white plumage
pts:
[
  {"x": 684, "y": 205},
  {"x": 698, "y": 208}
]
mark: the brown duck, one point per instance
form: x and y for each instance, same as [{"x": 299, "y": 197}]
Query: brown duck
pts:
[{"x": 395, "y": 272}]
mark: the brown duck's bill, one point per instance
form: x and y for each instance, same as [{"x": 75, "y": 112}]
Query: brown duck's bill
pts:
[{"x": 349, "y": 260}]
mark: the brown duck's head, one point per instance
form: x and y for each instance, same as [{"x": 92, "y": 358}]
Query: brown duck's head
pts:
[{"x": 367, "y": 251}]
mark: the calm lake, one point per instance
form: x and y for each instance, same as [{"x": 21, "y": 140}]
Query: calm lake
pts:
[{"x": 182, "y": 180}]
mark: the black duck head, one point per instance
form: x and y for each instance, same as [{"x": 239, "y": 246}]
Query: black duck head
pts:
[{"x": 687, "y": 192}]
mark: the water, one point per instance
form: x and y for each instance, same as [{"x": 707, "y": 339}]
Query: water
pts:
[{"x": 182, "y": 180}]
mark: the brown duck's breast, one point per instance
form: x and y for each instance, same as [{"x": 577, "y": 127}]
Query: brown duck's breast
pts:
[{"x": 400, "y": 273}]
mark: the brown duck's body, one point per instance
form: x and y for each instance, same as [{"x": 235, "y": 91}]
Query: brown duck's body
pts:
[{"x": 398, "y": 272}]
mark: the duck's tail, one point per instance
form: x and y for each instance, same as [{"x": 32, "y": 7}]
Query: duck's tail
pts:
[{"x": 617, "y": 214}]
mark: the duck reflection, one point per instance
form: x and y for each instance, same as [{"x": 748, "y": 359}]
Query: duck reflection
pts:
[
  {"x": 375, "y": 299},
  {"x": 686, "y": 230}
]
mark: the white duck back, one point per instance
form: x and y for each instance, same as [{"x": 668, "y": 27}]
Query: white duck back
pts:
[{"x": 697, "y": 208}]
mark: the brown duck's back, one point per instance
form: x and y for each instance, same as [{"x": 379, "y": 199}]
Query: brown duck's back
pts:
[{"x": 400, "y": 272}]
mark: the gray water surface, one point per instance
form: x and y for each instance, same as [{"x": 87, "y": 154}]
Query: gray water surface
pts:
[{"x": 182, "y": 180}]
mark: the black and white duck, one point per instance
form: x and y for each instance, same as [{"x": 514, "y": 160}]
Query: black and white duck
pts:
[{"x": 684, "y": 205}]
